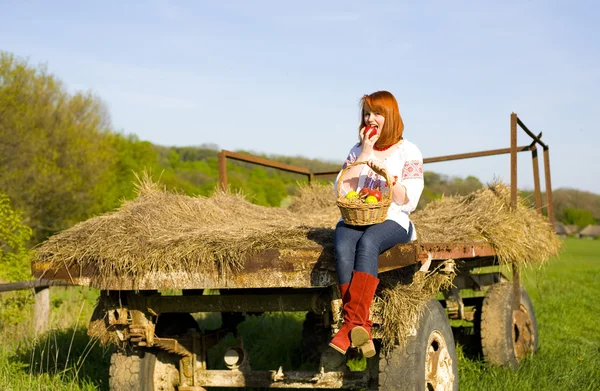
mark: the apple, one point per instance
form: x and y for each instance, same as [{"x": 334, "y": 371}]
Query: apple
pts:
[
  {"x": 370, "y": 131},
  {"x": 375, "y": 193},
  {"x": 371, "y": 200},
  {"x": 352, "y": 195},
  {"x": 364, "y": 192}
]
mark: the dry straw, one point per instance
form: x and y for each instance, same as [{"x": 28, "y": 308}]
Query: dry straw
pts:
[
  {"x": 400, "y": 303},
  {"x": 163, "y": 231},
  {"x": 160, "y": 231}
]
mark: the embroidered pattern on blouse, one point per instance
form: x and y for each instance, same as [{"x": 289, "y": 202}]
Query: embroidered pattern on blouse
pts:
[
  {"x": 349, "y": 160},
  {"x": 412, "y": 169},
  {"x": 373, "y": 180}
]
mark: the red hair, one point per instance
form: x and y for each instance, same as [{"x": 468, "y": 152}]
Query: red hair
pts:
[{"x": 384, "y": 103}]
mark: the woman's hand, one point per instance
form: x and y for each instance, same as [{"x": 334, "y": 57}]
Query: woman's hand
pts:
[{"x": 367, "y": 143}]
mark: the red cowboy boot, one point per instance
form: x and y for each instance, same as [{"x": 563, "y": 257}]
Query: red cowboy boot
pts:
[
  {"x": 341, "y": 340},
  {"x": 360, "y": 335},
  {"x": 356, "y": 313},
  {"x": 344, "y": 292}
]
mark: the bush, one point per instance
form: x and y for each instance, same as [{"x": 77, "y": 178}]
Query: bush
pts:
[{"x": 14, "y": 235}]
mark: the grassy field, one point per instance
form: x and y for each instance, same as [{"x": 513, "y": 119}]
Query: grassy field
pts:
[{"x": 564, "y": 294}]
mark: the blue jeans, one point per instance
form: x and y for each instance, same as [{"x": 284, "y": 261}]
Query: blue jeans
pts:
[{"x": 358, "y": 247}]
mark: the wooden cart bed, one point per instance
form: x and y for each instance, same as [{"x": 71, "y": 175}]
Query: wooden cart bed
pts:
[{"x": 275, "y": 268}]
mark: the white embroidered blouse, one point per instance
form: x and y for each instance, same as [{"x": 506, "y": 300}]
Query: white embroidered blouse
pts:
[{"x": 405, "y": 163}]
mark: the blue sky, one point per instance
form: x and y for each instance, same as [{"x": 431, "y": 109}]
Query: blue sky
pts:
[{"x": 283, "y": 77}]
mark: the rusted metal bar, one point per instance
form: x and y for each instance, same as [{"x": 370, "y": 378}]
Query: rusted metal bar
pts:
[
  {"x": 22, "y": 285},
  {"x": 326, "y": 173},
  {"x": 536, "y": 180},
  {"x": 513, "y": 160},
  {"x": 222, "y": 170},
  {"x": 265, "y": 162},
  {"x": 437, "y": 159},
  {"x": 548, "y": 185},
  {"x": 315, "y": 302},
  {"x": 513, "y": 204},
  {"x": 516, "y": 286},
  {"x": 459, "y": 156},
  {"x": 283, "y": 379},
  {"x": 530, "y": 133}
]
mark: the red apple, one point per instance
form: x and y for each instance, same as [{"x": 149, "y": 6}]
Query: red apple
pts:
[
  {"x": 364, "y": 192},
  {"x": 375, "y": 193},
  {"x": 370, "y": 131}
]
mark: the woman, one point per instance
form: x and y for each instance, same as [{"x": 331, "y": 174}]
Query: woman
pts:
[{"x": 357, "y": 248}]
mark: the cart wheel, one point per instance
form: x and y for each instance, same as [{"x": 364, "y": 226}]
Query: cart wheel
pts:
[
  {"x": 427, "y": 361},
  {"x": 124, "y": 372},
  {"x": 507, "y": 336},
  {"x": 150, "y": 369},
  {"x": 143, "y": 371}
]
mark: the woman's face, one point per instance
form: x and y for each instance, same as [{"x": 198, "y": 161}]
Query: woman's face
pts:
[{"x": 374, "y": 119}]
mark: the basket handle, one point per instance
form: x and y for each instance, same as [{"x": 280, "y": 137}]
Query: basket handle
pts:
[{"x": 381, "y": 171}]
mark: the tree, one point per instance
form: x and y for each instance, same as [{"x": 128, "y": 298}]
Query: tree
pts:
[
  {"x": 54, "y": 155},
  {"x": 14, "y": 256},
  {"x": 579, "y": 217}
]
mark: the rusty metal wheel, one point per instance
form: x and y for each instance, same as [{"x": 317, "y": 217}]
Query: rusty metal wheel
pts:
[
  {"x": 507, "y": 335},
  {"x": 439, "y": 364},
  {"x": 143, "y": 371},
  {"x": 428, "y": 360},
  {"x": 160, "y": 370}
]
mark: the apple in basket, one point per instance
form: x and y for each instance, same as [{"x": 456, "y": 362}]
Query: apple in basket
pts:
[
  {"x": 364, "y": 193},
  {"x": 352, "y": 195},
  {"x": 371, "y": 200},
  {"x": 375, "y": 193}
]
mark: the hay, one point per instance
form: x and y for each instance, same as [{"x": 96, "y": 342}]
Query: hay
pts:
[
  {"x": 400, "y": 303},
  {"x": 160, "y": 231},
  {"x": 520, "y": 235},
  {"x": 167, "y": 232}
]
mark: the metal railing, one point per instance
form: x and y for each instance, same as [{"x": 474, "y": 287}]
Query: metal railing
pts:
[{"x": 512, "y": 150}]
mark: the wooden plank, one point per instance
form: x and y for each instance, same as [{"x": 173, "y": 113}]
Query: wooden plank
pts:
[
  {"x": 443, "y": 251},
  {"x": 271, "y": 268},
  {"x": 41, "y": 310},
  {"x": 23, "y": 285}
]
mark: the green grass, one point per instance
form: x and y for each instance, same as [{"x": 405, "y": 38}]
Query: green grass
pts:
[
  {"x": 63, "y": 359},
  {"x": 564, "y": 294}
]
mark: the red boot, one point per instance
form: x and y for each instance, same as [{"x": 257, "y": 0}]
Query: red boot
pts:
[
  {"x": 341, "y": 340},
  {"x": 360, "y": 335},
  {"x": 356, "y": 314},
  {"x": 344, "y": 292}
]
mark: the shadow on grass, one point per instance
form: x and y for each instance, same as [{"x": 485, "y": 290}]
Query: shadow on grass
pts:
[
  {"x": 69, "y": 354},
  {"x": 470, "y": 342}
]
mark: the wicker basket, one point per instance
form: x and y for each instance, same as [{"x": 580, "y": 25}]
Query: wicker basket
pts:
[{"x": 358, "y": 213}]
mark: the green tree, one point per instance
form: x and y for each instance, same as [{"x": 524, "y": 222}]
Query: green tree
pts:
[
  {"x": 54, "y": 156},
  {"x": 579, "y": 217},
  {"x": 14, "y": 256}
]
